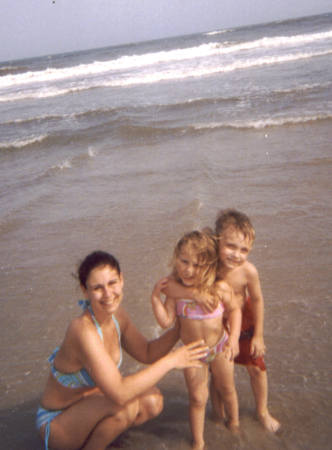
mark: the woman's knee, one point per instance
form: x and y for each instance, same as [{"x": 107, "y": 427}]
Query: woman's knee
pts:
[
  {"x": 154, "y": 403},
  {"x": 150, "y": 405}
]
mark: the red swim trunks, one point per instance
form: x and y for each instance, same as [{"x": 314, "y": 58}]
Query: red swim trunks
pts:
[{"x": 247, "y": 331}]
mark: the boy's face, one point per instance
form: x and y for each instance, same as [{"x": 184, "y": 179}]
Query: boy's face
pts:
[{"x": 233, "y": 248}]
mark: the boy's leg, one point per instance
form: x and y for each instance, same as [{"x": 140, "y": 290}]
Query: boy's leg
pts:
[
  {"x": 197, "y": 385},
  {"x": 223, "y": 379},
  {"x": 259, "y": 384}
]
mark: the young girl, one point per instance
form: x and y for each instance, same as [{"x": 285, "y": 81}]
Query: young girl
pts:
[{"x": 195, "y": 266}]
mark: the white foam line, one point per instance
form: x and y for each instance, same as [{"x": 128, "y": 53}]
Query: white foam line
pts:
[
  {"x": 158, "y": 76},
  {"x": 23, "y": 142},
  {"x": 136, "y": 61}
]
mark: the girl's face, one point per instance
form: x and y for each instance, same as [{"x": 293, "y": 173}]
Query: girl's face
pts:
[
  {"x": 186, "y": 266},
  {"x": 233, "y": 248},
  {"x": 104, "y": 289}
]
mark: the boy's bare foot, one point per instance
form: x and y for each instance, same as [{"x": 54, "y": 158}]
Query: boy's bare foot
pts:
[{"x": 269, "y": 422}]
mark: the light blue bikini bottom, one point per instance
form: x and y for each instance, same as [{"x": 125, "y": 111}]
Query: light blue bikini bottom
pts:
[{"x": 45, "y": 416}]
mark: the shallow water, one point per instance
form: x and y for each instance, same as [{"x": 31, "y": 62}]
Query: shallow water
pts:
[{"x": 134, "y": 191}]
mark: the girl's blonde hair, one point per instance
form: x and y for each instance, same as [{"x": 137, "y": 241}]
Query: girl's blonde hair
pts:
[{"x": 204, "y": 246}]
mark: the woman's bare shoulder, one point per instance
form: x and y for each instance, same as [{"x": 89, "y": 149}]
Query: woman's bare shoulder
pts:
[{"x": 80, "y": 328}]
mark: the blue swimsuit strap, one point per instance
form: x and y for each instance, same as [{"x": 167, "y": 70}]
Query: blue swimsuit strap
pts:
[
  {"x": 85, "y": 305},
  {"x": 47, "y": 434}
]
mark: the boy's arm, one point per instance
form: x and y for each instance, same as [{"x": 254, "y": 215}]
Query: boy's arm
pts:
[
  {"x": 176, "y": 290},
  {"x": 164, "y": 312},
  {"x": 257, "y": 347},
  {"x": 234, "y": 317}
]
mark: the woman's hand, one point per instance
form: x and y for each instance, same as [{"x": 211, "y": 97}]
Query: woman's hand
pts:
[{"x": 189, "y": 355}]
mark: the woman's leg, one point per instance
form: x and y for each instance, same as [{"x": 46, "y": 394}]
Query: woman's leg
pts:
[
  {"x": 151, "y": 404},
  {"x": 197, "y": 384},
  {"x": 147, "y": 406},
  {"x": 223, "y": 380},
  {"x": 94, "y": 421},
  {"x": 111, "y": 427}
]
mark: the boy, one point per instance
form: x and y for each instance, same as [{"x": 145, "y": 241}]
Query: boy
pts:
[{"x": 236, "y": 235}]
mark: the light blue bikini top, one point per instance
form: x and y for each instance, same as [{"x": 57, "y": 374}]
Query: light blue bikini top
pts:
[{"x": 82, "y": 378}]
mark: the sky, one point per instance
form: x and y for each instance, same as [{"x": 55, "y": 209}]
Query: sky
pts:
[{"x": 31, "y": 28}]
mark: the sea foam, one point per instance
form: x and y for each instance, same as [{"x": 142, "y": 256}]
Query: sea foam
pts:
[{"x": 127, "y": 62}]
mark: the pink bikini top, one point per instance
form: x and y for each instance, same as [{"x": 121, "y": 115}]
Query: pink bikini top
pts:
[{"x": 191, "y": 310}]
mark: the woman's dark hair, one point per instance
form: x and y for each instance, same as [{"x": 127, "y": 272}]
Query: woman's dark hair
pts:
[{"x": 93, "y": 260}]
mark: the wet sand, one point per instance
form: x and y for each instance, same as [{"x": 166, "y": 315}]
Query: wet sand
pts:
[{"x": 139, "y": 218}]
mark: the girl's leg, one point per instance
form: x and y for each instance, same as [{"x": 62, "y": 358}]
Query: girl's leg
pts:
[
  {"x": 218, "y": 408},
  {"x": 223, "y": 379},
  {"x": 197, "y": 384},
  {"x": 258, "y": 379}
]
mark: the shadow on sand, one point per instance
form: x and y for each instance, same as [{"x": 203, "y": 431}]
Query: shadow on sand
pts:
[{"x": 17, "y": 428}]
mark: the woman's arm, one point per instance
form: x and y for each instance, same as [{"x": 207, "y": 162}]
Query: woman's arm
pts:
[
  {"x": 120, "y": 389},
  {"x": 165, "y": 313},
  {"x": 136, "y": 344}
]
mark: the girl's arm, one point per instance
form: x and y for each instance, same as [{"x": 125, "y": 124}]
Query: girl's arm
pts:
[
  {"x": 234, "y": 317},
  {"x": 165, "y": 313},
  {"x": 257, "y": 347},
  {"x": 105, "y": 373},
  {"x": 144, "y": 351}
]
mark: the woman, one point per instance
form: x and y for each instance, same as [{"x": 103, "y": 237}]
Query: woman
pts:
[{"x": 87, "y": 403}]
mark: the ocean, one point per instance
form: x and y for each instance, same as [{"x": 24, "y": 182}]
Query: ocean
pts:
[{"x": 126, "y": 148}]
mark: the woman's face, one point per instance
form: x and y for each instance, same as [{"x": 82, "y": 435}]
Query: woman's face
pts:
[{"x": 104, "y": 289}]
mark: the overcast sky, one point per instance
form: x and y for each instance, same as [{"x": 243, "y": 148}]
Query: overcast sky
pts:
[{"x": 43, "y": 27}]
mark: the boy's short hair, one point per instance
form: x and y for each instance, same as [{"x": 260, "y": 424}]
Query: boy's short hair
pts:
[{"x": 236, "y": 219}]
